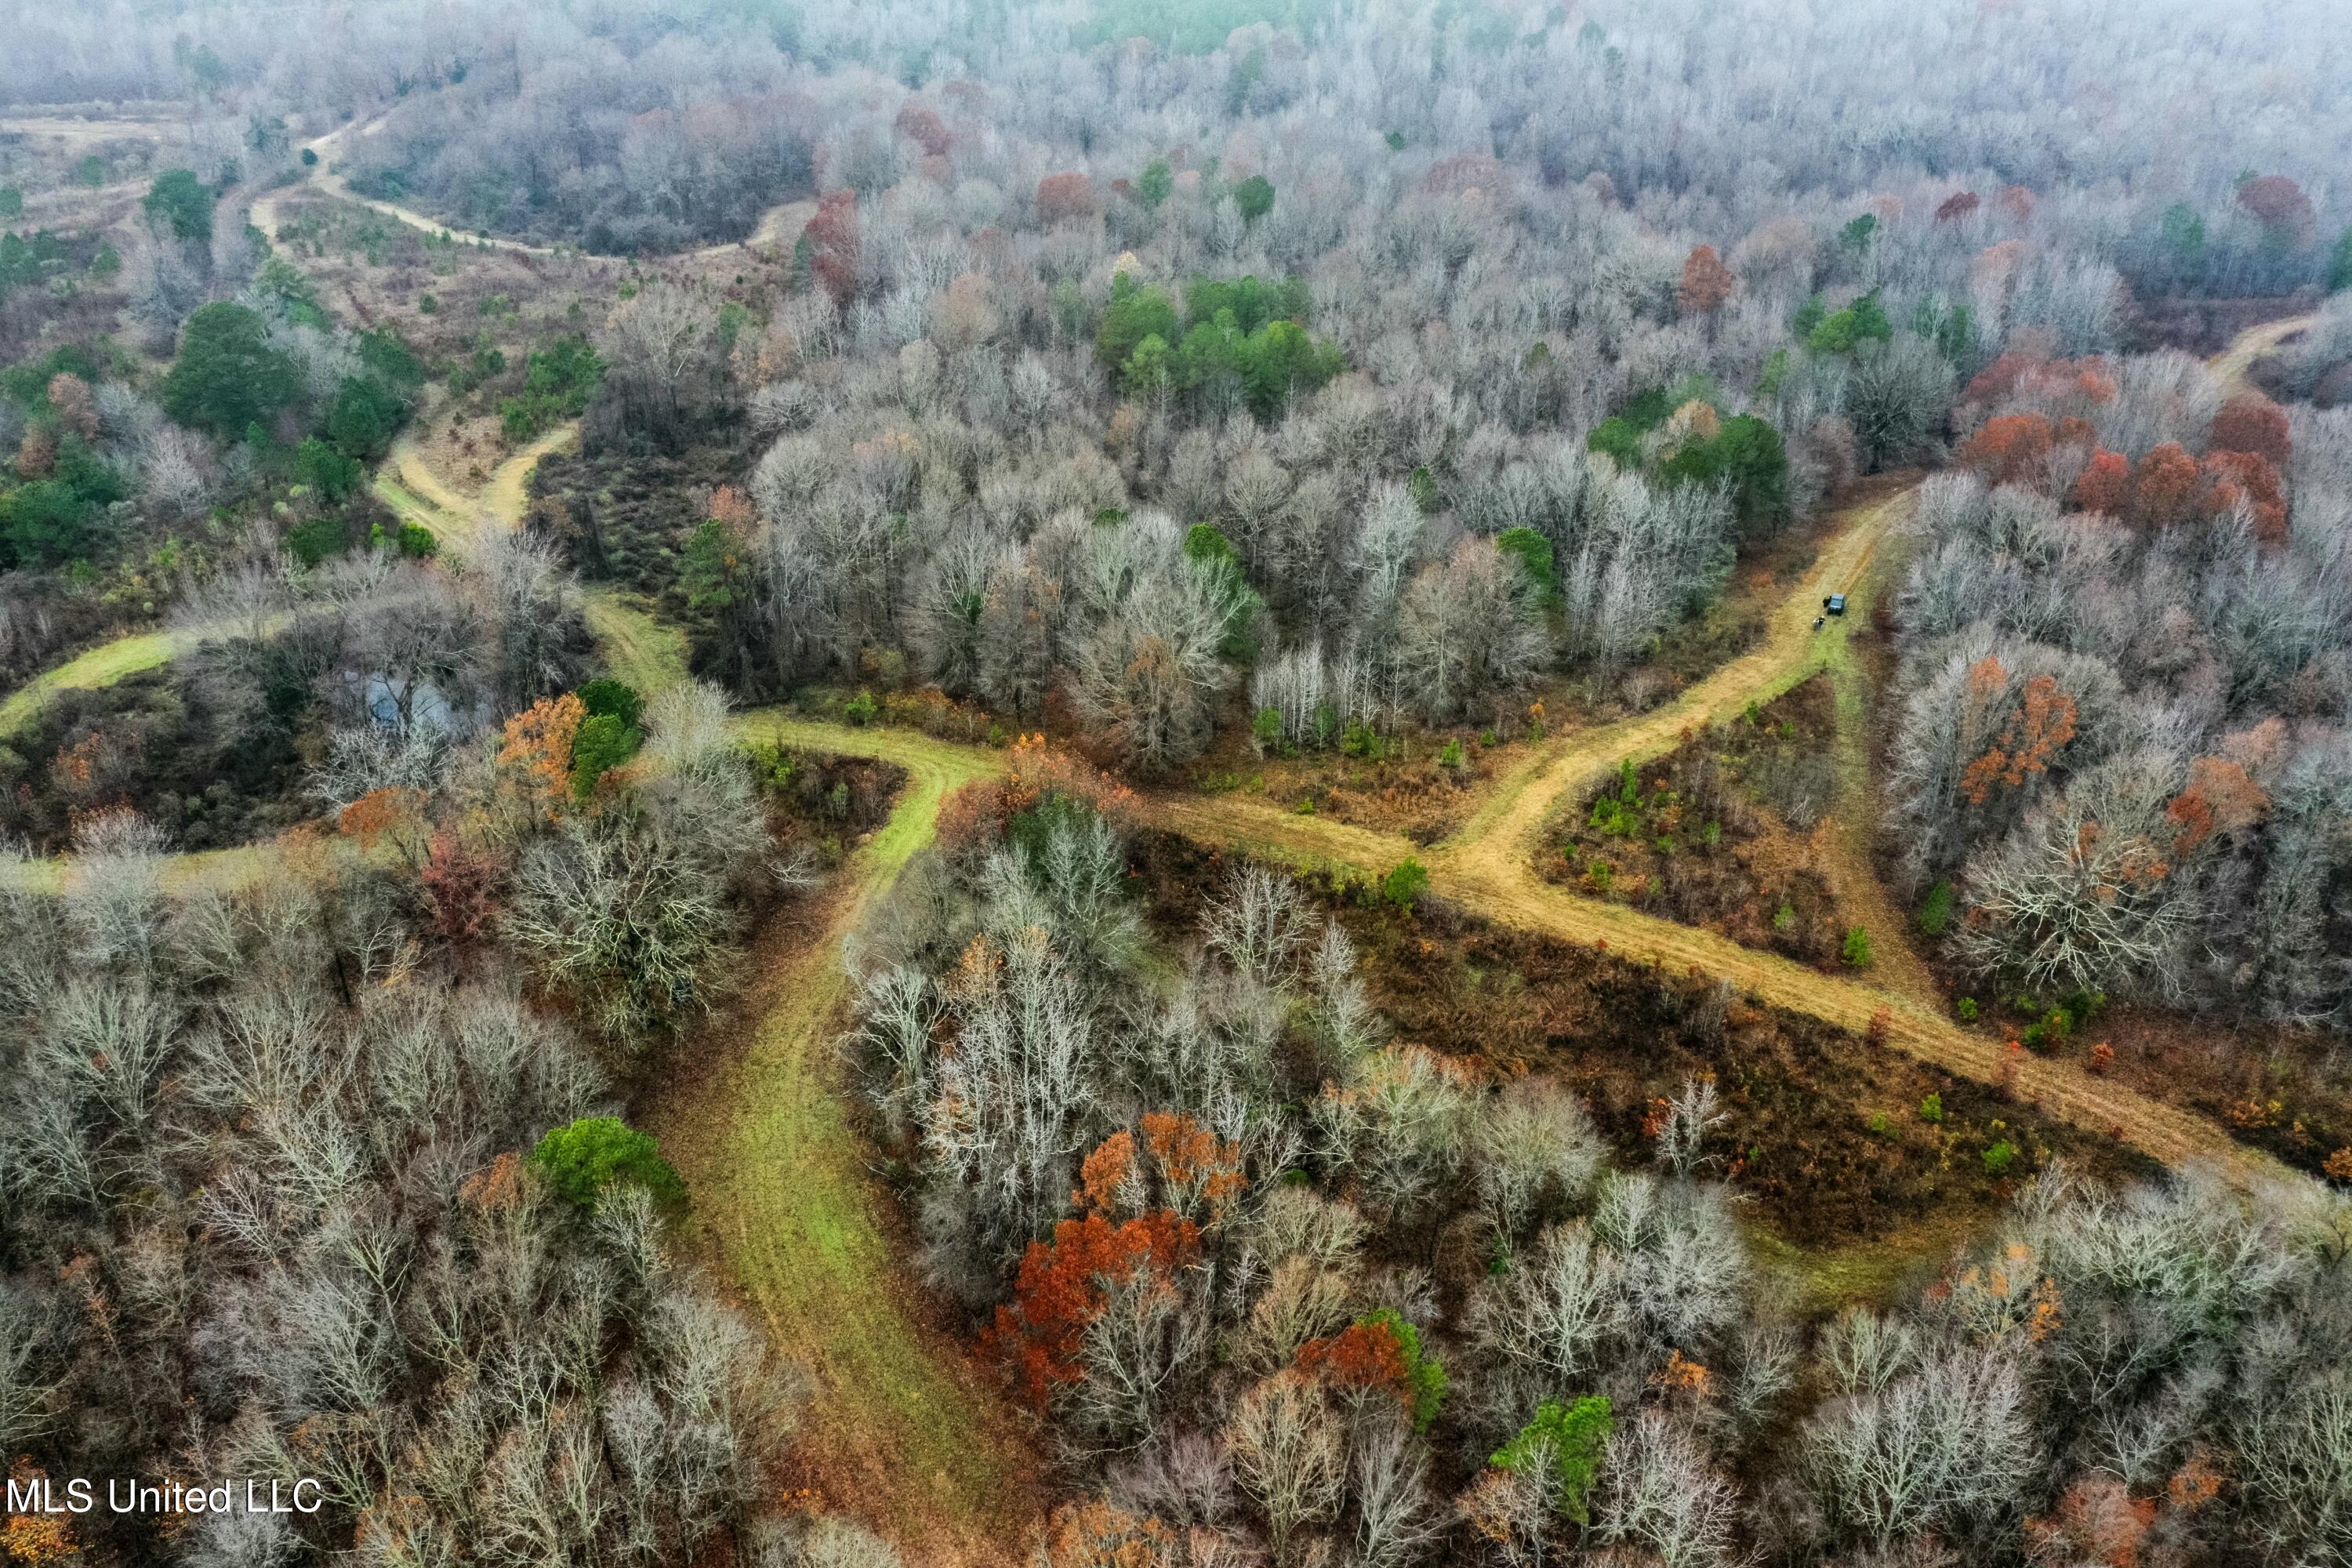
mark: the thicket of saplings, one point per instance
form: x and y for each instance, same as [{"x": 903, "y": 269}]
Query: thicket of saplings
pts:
[
  {"x": 1287, "y": 1291},
  {"x": 314, "y": 1176}
]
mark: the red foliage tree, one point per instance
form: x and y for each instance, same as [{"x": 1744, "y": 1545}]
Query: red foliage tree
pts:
[
  {"x": 1957, "y": 205},
  {"x": 2253, "y": 423},
  {"x": 920, "y": 123},
  {"x": 1365, "y": 1355},
  {"x": 2016, "y": 203},
  {"x": 389, "y": 815},
  {"x": 2009, "y": 450},
  {"x": 1707, "y": 283},
  {"x": 2231, "y": 478},
  {"x": 2049, "y": 386},
  {"x": 1065, "y": 196},
  {"x": 1179, "y": 1166},
  {"x": 1096, "y": 1534},
  {"x": 1065, "y": 1284},
  {"x": 2103, "y": 483},
  {"x": 2040, "y": 729},
  {"x": 1199, "y": 1173},
  {"x": 2096, "y": 1520},
  {"x": 832, "y": 235},
  {"x": 2163, "y": 486},
  {"x": 2278, "y": 205},
  {"x": 2218, "y": 798},
  {"x": 1999, "y": 379},
  {"x": 463, "y": 885}
]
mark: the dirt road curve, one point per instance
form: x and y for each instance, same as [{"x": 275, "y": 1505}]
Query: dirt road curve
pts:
[
  {"x": 1505, "y": 831},
  {"x": 2234, "y": 365},
  {"x": 322, "y": 176},
  {"x": 1488, "y": 868}
]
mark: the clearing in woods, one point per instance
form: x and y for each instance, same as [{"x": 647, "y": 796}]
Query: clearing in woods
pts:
[
  {"x": 1488, "y": 869},
  {"x": 904, "y": 1428}
]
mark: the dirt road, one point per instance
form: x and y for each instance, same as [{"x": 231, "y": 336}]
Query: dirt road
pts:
[
  {"x": 1506, "y": 830},
  {"x": 1488, "y": 869},
  {"x": 2233, "y": 366},
  {"x": 324, "y": 177}
]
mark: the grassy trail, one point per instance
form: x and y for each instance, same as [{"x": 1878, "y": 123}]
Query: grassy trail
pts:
[
  {"x": 323, "y": 177},
  {"x": 903, "y": 1429},
  {"x": 1842, "y": 843},
  {"x": 637, "y": 648},
  {"x": 408, "y": 484},
  {"x": 100, "y": 667}
]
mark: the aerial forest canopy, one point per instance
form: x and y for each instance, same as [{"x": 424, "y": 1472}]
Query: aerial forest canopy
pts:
[{"x": 1178, "y": 784}]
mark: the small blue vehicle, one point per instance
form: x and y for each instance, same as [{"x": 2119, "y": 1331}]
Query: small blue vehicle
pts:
[{"x": 1834, "y": 604}]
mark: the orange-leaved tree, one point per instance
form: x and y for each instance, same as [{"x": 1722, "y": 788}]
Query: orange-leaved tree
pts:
[
  {"x": 2278, "y": 205},
  {"x": 2103, "y": 483},
  {"x": 1179, "y": 1166},
  {"x": 2096, "y": 1520},
  {"x": 2235, "y": 479},
  {"x": 1366, "y": 1354},
  {"x": 535, "y": 749},
  {"x": 2013, "y": 449},
  {"x": 1065, "y": 197},
  {"x": 2040, "y": 727},
  {"x": 1707, "y": 283},
  {"x": 2253, "y": 423},
  {"x": 1096, "y": 1534},
  {"x": 2164, "y": 486},
  {"x": 920, "y": 123},
  {"x": 832, "y": 235},
  {"x": 2218, "y": 798},
  {"x": 1064, "y": 1285},
  {"x": 389, "y": 816}
]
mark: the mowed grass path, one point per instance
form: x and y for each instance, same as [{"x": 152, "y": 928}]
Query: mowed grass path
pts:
[
  {"x": 903, "y": 1429},
  {"x": 101, "y": 665}
]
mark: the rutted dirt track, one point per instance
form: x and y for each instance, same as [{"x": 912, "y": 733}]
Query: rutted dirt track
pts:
[
  {"x": 1488, "y": 869},
  {"x": 2234, "y": 365}
]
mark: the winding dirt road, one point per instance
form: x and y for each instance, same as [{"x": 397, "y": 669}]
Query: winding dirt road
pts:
[
  {"x": 777, "y": 227},
  {"x": 1488, "y": 867},
  {"x": 324, "y": 177}
]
